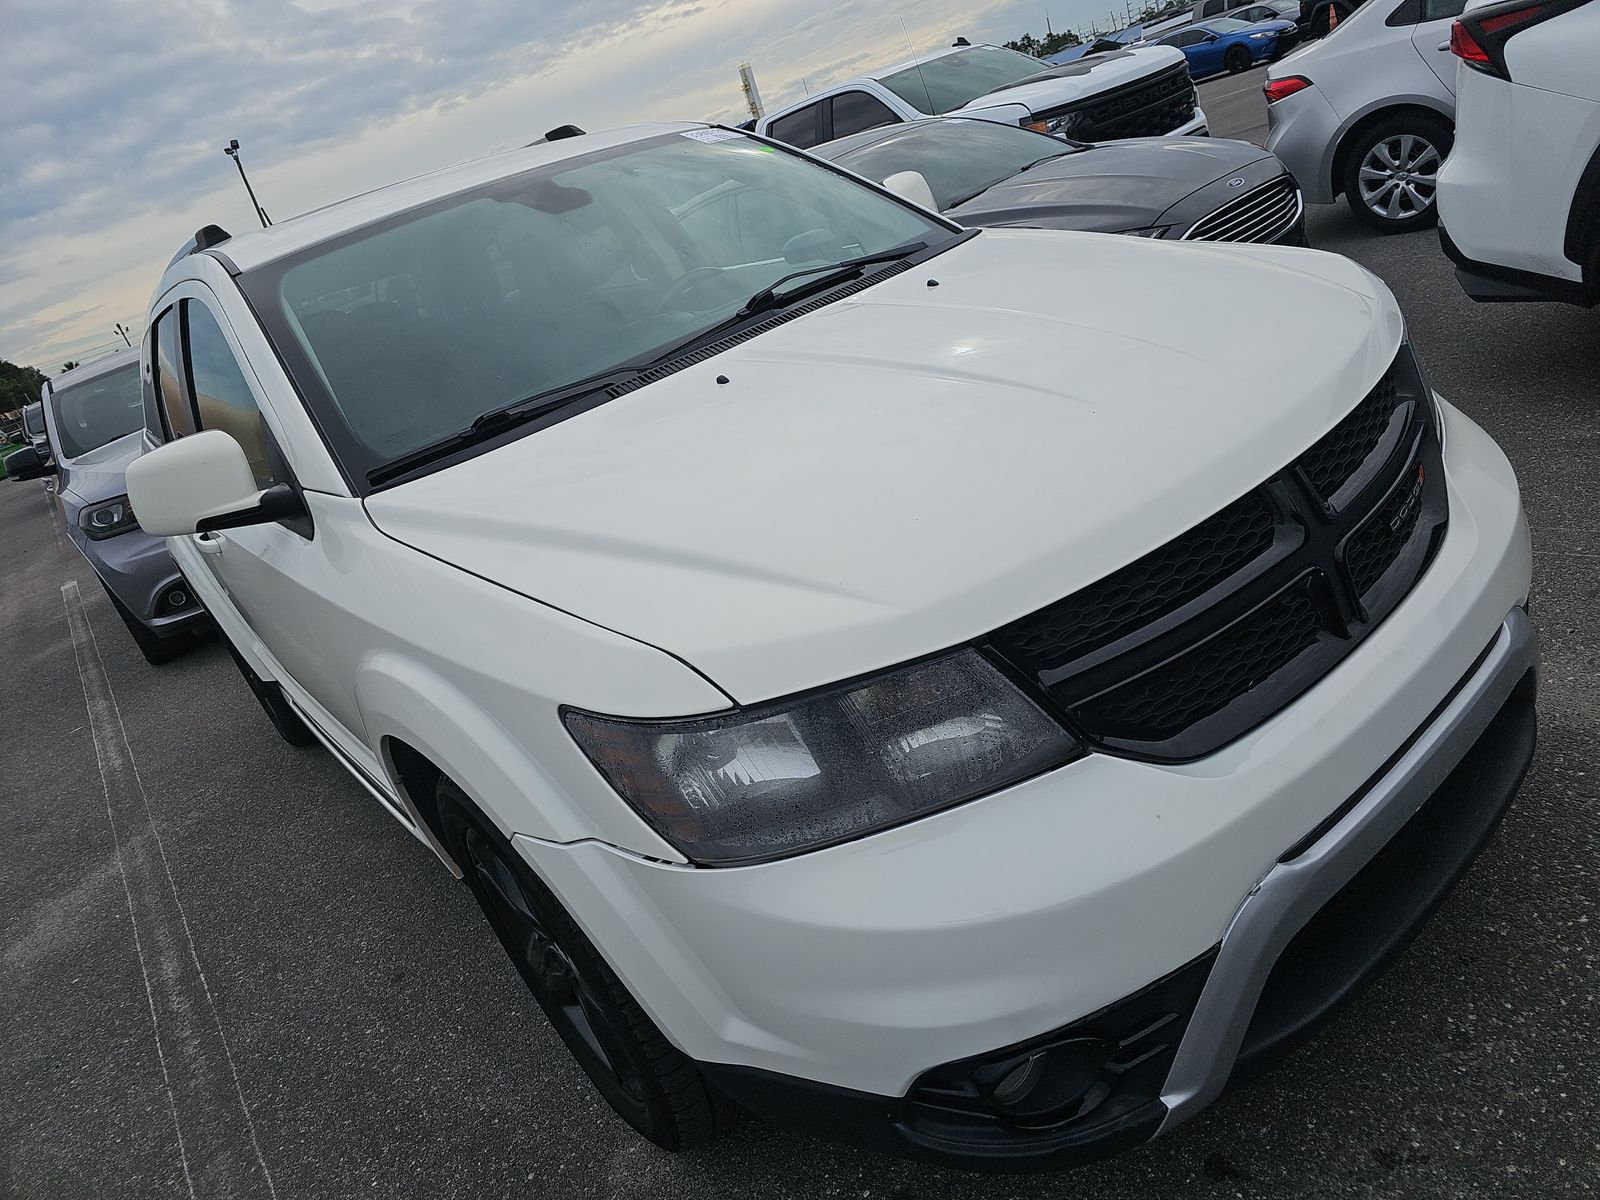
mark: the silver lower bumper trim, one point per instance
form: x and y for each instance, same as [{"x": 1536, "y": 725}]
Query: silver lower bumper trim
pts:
[{"x": 1293, "y": 891}]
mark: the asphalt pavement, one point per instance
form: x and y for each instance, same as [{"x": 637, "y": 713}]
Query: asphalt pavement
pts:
[{"x": 227, "y": 971}]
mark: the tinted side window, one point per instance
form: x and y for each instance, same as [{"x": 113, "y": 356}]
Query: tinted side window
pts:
[
  {"x": 169, "y": 376},
  {"x": 1440, "y": 10},
  {"x": 798, "y": 128},
  {"x": 1213, "y": 8},
  {"x": 222, "y": 398},
  {"x": 857, "y": 112}
]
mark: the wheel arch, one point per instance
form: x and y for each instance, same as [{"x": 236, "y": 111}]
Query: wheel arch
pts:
[
  {"x": 1366, "y": 118},
  {"x": 1581, "y": 243},
  {"x": 423, "y": 726}
]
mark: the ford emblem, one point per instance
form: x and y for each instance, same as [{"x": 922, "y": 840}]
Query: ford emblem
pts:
[{"x": 1236, "y": 183}]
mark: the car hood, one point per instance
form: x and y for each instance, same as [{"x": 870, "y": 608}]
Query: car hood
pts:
[
  {"x": 1109, "y": 187},
  {"x": 1088, "y": 76},
  {"x": 99, "y": 474},
  {"x": 900, "y": 471}
]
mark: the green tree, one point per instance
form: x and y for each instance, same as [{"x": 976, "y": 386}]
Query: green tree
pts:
[
  {"x": 19, "y": 386},
  {"x": 1040, "y": 47},
  {"x": 71, "y": 364}
]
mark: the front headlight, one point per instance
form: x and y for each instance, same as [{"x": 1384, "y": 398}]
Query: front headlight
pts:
[
  {"x": 794, "y": 775},
  {"x": 1256, "y": 37},
  {"x": 1155, "y": 231},
  {"x": 1066, "y": 125},
  {"x": 108, "y": 518}
]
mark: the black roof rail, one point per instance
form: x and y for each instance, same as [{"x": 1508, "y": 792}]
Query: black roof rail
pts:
[
  {"x": 205, "y": 237},
  {"x": 559, "y": 133}
]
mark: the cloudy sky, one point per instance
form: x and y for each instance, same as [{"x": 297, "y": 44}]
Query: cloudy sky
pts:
[{"x": 115, "y": 114}]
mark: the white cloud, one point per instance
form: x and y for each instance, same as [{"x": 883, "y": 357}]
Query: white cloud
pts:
[{"x": 113, "y": 150}]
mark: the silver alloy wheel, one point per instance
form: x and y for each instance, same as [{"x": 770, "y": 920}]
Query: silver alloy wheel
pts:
[{"x": 1400, "y": 176}]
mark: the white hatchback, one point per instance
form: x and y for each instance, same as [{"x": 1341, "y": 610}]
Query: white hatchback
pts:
[{"x": 900, "y": 678}]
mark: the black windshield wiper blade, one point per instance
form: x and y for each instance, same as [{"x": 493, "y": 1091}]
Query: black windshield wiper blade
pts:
[
  {"x": 498, "y": 420},
  {"x": 768, "y": 296}
]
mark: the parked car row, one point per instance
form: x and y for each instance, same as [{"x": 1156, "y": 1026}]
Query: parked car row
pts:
[
  {"x": 84, "y": 433},
  {"x": 823, "y": 598},
  {"x": 1485, "y": 114}
]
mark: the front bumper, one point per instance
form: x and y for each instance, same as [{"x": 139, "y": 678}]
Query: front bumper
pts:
[
  {"x": 860, "y": 968},
  {"x": 140, "y": 572},
  {"x": 1195, "y": 126},
  {"x": 1324, "y": 921}
]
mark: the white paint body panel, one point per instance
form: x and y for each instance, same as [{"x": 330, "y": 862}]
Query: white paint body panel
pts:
[
  {"x": 1507, "y": 189},
  {"x": 914, "y": 466}
]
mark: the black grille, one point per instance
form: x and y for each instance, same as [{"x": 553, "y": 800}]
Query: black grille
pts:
[
  {"x": 1202, "y": 639},
  {"x": 1335, "y": 458},
  {"x": 1159, "y": 583},
  {"x": 1202, "y": 682},
  {"x": 1381, "y": 537},
  {"x": 1144, "y": 108}
]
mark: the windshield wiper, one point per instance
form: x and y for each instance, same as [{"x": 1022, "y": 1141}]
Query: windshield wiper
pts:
[
  {"x": 498, "y": 420},
  {"x": 768, "y": 296}
]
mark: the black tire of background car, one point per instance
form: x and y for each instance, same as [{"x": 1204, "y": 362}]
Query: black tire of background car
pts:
[
  {"x": 650, "y": 1083},
  {"x": 1237, "y": 59},
  {"x": 270, "y": 696},
  {"x": 1434, "y": 130},
  {"x": 155, "y": 648}
]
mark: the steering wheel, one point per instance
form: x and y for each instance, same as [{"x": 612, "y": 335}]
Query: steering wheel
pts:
[{"x": 684, "y": 284}]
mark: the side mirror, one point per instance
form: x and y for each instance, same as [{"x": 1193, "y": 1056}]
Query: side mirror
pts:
[
  {"x": 201, "y": 483},
  {"x": 912, "y": 186},
  {"x": 28, "y": 463}
]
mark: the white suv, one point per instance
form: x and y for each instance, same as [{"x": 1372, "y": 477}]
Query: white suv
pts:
[
  {"x": 1143, "y": 92},
  {"x": 1519, "y": 196},
  {"x": 888, "y": 674}
]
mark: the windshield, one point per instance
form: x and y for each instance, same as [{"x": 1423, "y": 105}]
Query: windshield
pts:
[
  {"x": 406, "y": 331},
  {"x": 1226, "y": 25},
  {"x": 33, "y": 420},
  {"x": 951, "y": 81},
  {"x": 98, "y": 410},
  {"x": 958, "y": 158}
]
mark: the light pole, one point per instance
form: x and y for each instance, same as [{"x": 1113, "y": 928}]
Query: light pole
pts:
[
  {"x": 123, "y": 331},
  {"x": 232, "y": 151}
]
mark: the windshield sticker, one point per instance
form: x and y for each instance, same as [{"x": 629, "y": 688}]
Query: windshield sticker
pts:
[{"x": 710, "y": 135}]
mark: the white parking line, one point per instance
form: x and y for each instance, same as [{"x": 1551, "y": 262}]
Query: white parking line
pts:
[{"x": 216, "y": 1137}]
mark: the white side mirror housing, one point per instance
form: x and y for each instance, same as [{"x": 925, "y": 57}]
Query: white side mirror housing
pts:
[
  {"x": 912, "y": 186},
  {"x": 206, "y": 475}
]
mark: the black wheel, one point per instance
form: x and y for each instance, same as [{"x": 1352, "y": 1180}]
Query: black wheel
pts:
[
  {"x": 647, "y": 1080},
  {"x": 155, "y": 648},
  {"x": 270, "y": 696},
  {"x": 1391, "y": 173},
  {"x": 1236, "y": 59}
]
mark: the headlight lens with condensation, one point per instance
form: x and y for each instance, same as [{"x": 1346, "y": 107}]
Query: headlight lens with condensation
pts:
[{"x": 795, "y": 775}]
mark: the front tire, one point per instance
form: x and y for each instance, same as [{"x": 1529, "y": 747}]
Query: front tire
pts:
[
  {"x": 650, "y": 1083},
  {"x": 1236, "y": 59},
  {"x": 1391, "y": 174}
]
